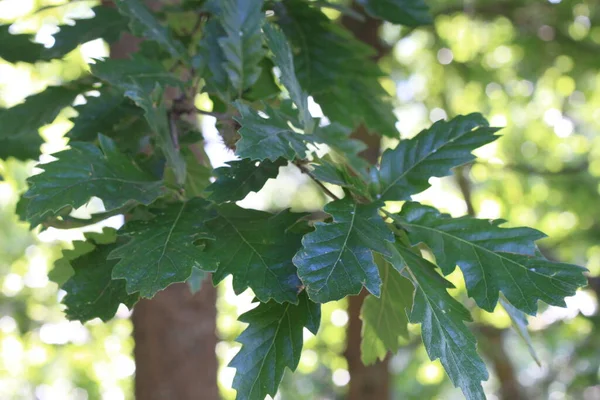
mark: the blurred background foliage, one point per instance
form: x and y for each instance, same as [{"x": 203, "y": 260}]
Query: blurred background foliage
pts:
[{"x": 532, "y": 66}]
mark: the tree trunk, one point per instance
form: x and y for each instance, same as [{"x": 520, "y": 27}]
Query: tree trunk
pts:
[
  {"x": 175, "y": 332},
  {"x": 373, "y": 381}
]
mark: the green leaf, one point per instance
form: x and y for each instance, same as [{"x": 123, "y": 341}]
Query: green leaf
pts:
[
  {"x": 84, "y": 171},
  {"x": 272, "y": 341},
  {"x": 268, "y": 138},
  {"x": 337, "y": 137},
  {"x": 162, "y": 250},
  {"x": 339, "y": 175},
  {"x": 384, "y": 319},
  {"x": 493, "y": 259},
  {"x": 108, "y": 114},
  {"x": 215, "y": 76},
  {"x": 404, "y": 12},
  {"x": 242, "y": 44},
  {"x": 336, "y": 69},
  {"x": 106, "y": 24},
  {"x": 284, "y": 60},
  {"x": 19, "y": 125},
  {"x": 242, "y": 177},
  {"x": 444, "y": 333},
  {"x": 336, "y": 259},
  {"x": 91, "y": 291},
  {"x": 520, "y": 323},
  {"x": 19, "y": 47},
  {"x": 144, "y": 24},
  {"x": 257, "y": 249},
  {"x": 406, "y": 169}
]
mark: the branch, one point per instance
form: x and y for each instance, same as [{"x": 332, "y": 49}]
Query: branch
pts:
[{"x": 306, "y": 171}]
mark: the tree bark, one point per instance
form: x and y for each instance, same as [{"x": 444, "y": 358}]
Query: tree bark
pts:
[
  {"x": 175, "y": 332},
  {"x": 373, "y": 381}
]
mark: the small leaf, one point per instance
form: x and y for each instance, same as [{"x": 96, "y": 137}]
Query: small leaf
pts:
[
  {"x": 284, "y": 59},
  {"x": 106, "y": 24},
  {"x": 242, "y": 177},
  {"x": 268, "y": 138},
  {"x": 242, "y": 46},
  {"x": 257, "y": 249},
  {"x": 337, "y": 137},
  {"x": 519, "y": 321},
  {"x": 445, "y": 335},
  {"x": 493, "y": 259},
  {"x": 91, "y": 291},
  {"x": 84, "y": 171},
  {"x": 406, "y": 169},
  {"x": 18, "y": 47},
  {"x": 384, "y": 319},
  {"x": 196, "y": 280},
  {"x": 404, "y": 12},
  {"x": 336, "y": 259},
  {"x": 272, "y": 341},
  {"x": 19, "y": 136},
  {"x": 162, "y": 250},
  {"x": 144, "y": 24}
]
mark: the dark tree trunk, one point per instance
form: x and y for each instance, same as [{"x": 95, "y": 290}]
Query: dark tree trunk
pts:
[
  {"x": 373, "y": 381},
  {"x": 175, "y": 332}
]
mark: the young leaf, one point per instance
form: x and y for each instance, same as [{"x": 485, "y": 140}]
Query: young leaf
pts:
[
  {"x": 196, "y": 280},
  {"x": 162, "y": 250},
  {"x": 284, "y": 59},
  {"x": 406, "y": 169},
  {"x": 144, "y": 24},
  {"x": 493, "y": 259},
  {"x": 19, "y": 136},
  {"x": 242, "y": 177},
  {"x": 404, "y": 12},
  {"x": 385, "y": 318},
  {"x": 242, "y": 45},
  {"x": 84, "y": 171},
  {"x": 336, "y": 69},
  {"x": 268, "y": 139},
  {"x": 337, "y": 137},
  {"x": 18, "y": 47},
  {"x": 272, "y": 341},
  {"x": 106, "y": 24},
  {"x": 256, "y": 248},
  {"x": 91, "y": 291},
  {"x": 519, "y": 320},
  {"x": 445, "y": 335},
  {"x": 336, "y": 259}
]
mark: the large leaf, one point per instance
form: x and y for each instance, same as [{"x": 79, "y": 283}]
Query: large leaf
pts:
[
  {"x": 444, "y": 333},
  {"x": 336, "y": 69},
  {"x": 406, "y": 169},
  {"x": 144, "y": 24},
  {"x": 18, "y": 47},
  {"x": 284, "y": 60},
  {"x": 404, "y": 12},
  {"x": 336, "y": 259},
  {"x": 106, "y": 24},
  {"x": 84, "y": 171},
  {"x": 91, "y": 291},
  {"x": 242, "y": 177},
  {"x": 493, "y": 259},
  {"x": 162, "y": 250},
  {"x": 268, "y": 138},
  {"x": 272, "y": 341},
  {"x": 242, "y": 44},
  {"x": 384, "y": 319},
  {"x": 19, "y": 125},
  {"x": 257, "y": 249}
]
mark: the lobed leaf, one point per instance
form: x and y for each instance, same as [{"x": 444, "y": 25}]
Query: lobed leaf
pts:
[
  {"x": 336, "y": 259},
  {"x": 406, "y": 170},
  {"x": 493, "y": 259},
  {"x": 404, "y": 12},
  {"x": 272, "y": 341},
  {"x": 84, "y": 171},
  {"x": 162, "y": 251},
  {"x": 18, "y": 47},
  {"x": 257, "y": 249}
]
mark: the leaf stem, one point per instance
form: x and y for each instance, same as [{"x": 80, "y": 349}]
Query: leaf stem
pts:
[{"x": 306, "y": 171}]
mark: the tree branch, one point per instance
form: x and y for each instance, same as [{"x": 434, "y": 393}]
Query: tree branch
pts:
[{"x": 306, "y": 171}]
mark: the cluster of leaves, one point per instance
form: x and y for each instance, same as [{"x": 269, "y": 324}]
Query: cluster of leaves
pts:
[{"x": 133, "y": 146}]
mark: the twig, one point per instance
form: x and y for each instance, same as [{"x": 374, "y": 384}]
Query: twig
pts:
[{"x": 318, "y": 182}]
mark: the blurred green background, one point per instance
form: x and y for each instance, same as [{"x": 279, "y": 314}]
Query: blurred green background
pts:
[{"x": 532, "y": 66}]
